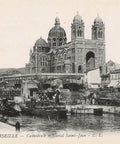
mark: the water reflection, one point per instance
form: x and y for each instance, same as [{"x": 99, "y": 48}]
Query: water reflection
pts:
[{"x": 73, "y": 124}]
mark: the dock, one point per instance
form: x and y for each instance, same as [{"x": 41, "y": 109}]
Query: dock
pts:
[{"x": 90, "y": 109}]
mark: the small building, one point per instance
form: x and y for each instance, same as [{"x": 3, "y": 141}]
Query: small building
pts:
[
  {"x": 111, "y": 79},
  {"x": 111, "y": 66},
  {"x": 105, "y": 80},
  {"x": 115, "y": 79},
  {"x": 94, "y": 78}
]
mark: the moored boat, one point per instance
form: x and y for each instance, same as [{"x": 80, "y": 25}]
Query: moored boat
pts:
[
  {"x": 9, "y": 108},
  {"x": 51, "y": 112}
]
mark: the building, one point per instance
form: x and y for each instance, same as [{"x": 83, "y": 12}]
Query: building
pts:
[
  {"x": 115, "y": 79},
  {"x": 112, "y": 79},
  {"x": 93, "y": 78},
  {"x": 105, "y": 80},
  {"x": 77, "y": 56},
  {"x": 111, "y": 66},
  {"x": 111, "y": 75}
]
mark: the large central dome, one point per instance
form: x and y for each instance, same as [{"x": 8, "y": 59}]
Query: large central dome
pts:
[{"x": 57, "y": 35}]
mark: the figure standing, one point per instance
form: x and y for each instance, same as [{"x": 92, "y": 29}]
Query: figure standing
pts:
[
  {"x": 17, "y": 126},
  {"x": 57, "y": 98}
]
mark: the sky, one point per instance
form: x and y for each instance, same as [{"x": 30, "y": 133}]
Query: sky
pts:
[{"x": 22, "y": 22}]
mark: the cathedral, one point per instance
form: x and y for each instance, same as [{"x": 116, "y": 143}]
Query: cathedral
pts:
[{"x": 80, "y": 55}]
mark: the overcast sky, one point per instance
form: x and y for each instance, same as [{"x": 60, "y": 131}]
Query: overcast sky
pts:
[{"x": 22, "y": 22}]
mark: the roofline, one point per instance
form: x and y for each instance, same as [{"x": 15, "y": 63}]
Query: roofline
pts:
[{"x": 43, "y": 74}]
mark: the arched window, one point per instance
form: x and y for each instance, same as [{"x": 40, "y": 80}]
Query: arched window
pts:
[
  {"x": 43, "y": 61},
  {"x": 54, "y": 44},
  {"x": 60, "y": 44},
  {"x": 54, "y": 39},
  {"x": 99, "y": 34},
  {"x": 60, "y": 39},
  {"x": 79, "y": 33},
  {"x": 95, "y": 34}
]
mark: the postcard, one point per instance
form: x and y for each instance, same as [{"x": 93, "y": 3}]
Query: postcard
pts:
[{"x": 59, "y": 71}]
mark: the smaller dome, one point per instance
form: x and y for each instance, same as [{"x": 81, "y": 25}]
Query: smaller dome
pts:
[
  {"x": 77, "y": 19},
  {"x": 98, "y": 20},
  {"x": 41, "y": 42}
]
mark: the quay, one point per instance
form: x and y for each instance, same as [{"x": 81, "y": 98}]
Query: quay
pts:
[
  {"x": 4, "y": 127},
  {"x": 89, "y": 109}
]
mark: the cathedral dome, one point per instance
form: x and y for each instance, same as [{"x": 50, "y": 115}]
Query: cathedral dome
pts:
[
  {"x": 41, "y": 43},
  {"x": 57, "y": 30},
  {"x": 77, "y": 19},
  {"x": 57, "y": 34},
  {"x": 98, "y": 20}
]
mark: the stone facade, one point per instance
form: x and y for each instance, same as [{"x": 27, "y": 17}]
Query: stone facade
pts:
[{"x": 77, "y": 56}]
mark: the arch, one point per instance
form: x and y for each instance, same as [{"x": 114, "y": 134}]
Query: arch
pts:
[
  {"x": 90, "y": 61},
  {"x": 95, "y": 34}
]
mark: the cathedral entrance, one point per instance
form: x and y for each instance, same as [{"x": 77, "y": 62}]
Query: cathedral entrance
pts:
[{"x": 90, "y": 61}]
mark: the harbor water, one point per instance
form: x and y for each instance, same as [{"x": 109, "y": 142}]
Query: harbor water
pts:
[{"x": 78, "y": 124}]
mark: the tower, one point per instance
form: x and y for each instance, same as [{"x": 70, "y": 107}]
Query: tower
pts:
[
  {"x": 98, "y": 29},
  {"x": 77, "y": 28}
]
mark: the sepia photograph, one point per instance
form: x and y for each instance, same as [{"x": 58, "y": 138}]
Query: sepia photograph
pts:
[{"x": 59, "y": 71}]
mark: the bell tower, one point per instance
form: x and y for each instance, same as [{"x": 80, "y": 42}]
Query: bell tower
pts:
[
  {"x": 77, "y": 28},
  {"x": 98, "y": 29}
]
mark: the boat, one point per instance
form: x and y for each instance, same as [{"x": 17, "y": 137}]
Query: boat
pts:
[
  {"x": 49, "y": 111},
  {"x": 10, "y": 108}
]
